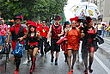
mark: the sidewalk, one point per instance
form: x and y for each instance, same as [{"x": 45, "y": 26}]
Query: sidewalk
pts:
[{"x": 106, "y": 45}]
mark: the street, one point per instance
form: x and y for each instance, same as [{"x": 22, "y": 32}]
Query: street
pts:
[{"x": 101, "y": 64}]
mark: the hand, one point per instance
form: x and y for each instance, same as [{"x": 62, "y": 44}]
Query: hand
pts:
[
  {"x": 20, "y": 39},
  {"x": 59, "y": 35},
  {"x": 48, "y": 40}
]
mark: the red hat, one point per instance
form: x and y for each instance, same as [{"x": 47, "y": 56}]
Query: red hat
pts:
[
  {"x": 32, "y": 24},
  {"x": 57, "y": 18},
  {"x": 29, "y": 22},
  {"x": 18, "y": 17},
  {"x": 74, "y": 19}
]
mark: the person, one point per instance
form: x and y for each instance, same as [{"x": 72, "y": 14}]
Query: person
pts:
[
  {"x": 33, "y": 38},
  {"x": 88, "y": 44},
  {"x": 18, "y": 33},
  {"x": 63, "y": 40},
  {"x": 73, "y": 41},
  {"x": 55, "y": 32},
  {"x": 40, "y": 29},
  {"x": 3, "y": 33},
  {"x": 28, "y": 23},
  {"x": 99, "y": 29},
  {"x": 43, "y": 33}
]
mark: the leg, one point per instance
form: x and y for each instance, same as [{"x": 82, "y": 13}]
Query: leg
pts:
[
  {"x": 52, "y": 55},
  {"x": 91, "y": 57},
  {"x": 33, "y": 58},
  {"x": 85, "y": 60},
  {"x": 69, "y": 58},
  {"x": 1, "y": 42},
  {"x": 74, "y": 58},
  {"x": 65, "y": 54},
  {"x": 41, "y": 47},
  {"x": 56, "y": 59},
  {"x": 17, "y": 62}
]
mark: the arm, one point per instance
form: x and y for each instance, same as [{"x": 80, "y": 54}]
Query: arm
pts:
[
  {"x": 49, "y": 33},
  {"x": 25, "y": 35}
]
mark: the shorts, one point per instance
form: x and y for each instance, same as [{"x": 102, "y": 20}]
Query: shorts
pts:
[
  {"x": 2, "y": 39},
  {"x": 33, "y": 46},
  {"x": 54, "y": 45}
]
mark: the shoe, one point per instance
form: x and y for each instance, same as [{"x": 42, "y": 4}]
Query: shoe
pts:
[
  {"x": 42, "y": 55},
  {"x": 65, "y": 60},
  {"x": 16, "y": 72},
  {"x": 56, "y": 63},
  {"x": 32, "y": 68},
  {"x": 85, "y": 72},
  {"x": 69, "y": 72},
  {"x": 90, "y": 70}
]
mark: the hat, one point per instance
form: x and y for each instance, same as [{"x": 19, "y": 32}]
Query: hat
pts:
[
  {"x": 74, "y": 19},
  {"x": 57, "y": 18},
  {"x": 32, "y": 24},
  {"x": 18, "y": 17}
]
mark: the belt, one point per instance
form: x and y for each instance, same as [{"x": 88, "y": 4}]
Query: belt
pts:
[{"x": 36, "y": 43}]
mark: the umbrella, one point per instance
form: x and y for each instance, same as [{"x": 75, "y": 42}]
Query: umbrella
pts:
[{"x": 85, "y": 9}]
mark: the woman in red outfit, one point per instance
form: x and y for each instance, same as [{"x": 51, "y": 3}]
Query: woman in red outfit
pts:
[
  {"x": 33, "y": 41},
  {"x": 73, "y": 37},
  {"x": 88, "y": 45}
]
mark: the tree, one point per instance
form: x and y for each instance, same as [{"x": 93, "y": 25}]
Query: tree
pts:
[{"x": 31, "y": 9}]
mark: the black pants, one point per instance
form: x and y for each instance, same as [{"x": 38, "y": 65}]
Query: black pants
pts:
[{"x": 43, "y": 41}]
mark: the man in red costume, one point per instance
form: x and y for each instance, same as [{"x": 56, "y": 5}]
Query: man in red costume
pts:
[
  {"x": 18, "y": 33},
  {"x": 55, "y": 32}
]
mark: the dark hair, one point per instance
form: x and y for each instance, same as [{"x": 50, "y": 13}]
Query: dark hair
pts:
[
  {"x": 88, "y": 19},
  {"x": 30, "y": 28},
  {"x": 66, "y": 23}
]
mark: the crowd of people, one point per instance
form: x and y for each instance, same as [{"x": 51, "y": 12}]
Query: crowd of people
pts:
[{"x": 34, "y": 35}]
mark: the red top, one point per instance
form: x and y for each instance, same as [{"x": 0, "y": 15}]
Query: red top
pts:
[
  {"x": 73, "y": 37},
  {"x": 42, "y": 29},
  {"x": 16, "y": 29}
]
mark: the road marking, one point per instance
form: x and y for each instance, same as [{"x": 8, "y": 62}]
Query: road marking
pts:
[
  {"x": 106, "y": 39},
  {"x": 102, "y": 64}
]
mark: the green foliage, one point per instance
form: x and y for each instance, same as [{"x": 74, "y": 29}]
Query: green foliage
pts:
[{"x": 31, "y": 9}]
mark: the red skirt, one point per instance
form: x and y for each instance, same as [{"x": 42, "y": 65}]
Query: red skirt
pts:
[{"x": 64, "y": 46}]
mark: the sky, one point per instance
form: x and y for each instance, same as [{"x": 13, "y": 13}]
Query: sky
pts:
[{"x": 68, "y": 13}]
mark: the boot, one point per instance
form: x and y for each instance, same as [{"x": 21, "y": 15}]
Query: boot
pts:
[
  {"x": 33, "y": 64},
  {"x": 56, "y": 62},
  {"x": 52, "y": 59},
  {"x": 65, "y": 57}
]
